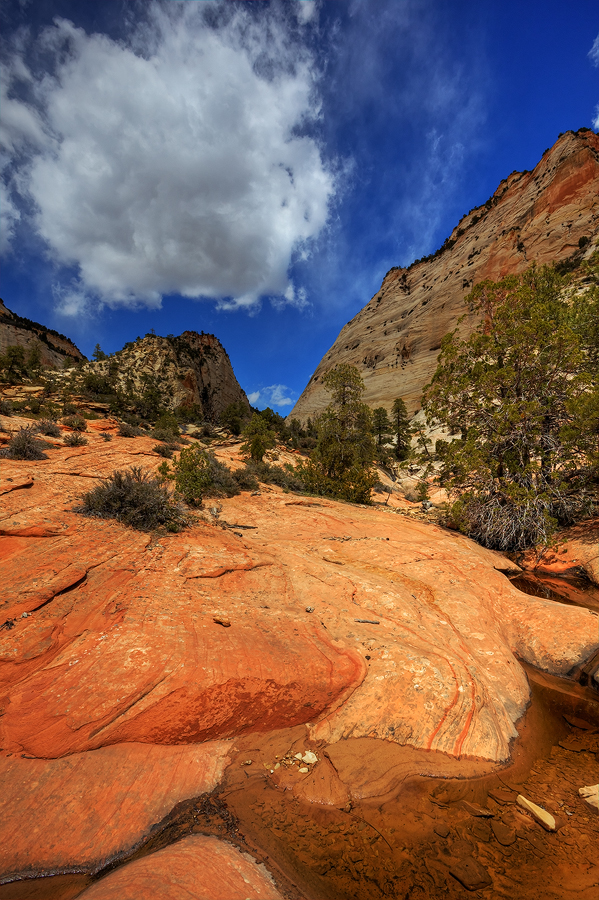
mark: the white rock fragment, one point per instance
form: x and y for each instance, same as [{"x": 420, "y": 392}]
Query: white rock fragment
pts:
[
  {"x": 298, "y": 756},
  {"x": 309, "y": 757},
  {"x": 590, "y": 794},
  {"x": 541, "y": 815},
  {"x": 303, "y": 770}
]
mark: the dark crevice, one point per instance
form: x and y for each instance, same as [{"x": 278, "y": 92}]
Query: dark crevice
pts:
[{"x": 71, "y": 587}]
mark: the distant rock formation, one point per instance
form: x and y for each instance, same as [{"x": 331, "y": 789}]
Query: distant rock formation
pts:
[
  {"x": 18, "y": 331},
  {"x": 546, "y": 215},
  {"x": 189, "y": 370}
]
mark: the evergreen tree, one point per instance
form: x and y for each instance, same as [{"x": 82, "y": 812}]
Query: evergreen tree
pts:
[
  {"x": 13, "y": 365},
  {"x": 258, "y": 438},
  {"x": 98, "y": 354},
  {"x": 524, "y": 395},
  {"x": 233, "y": 417},
  {"x": 340, "y": 465},
  {"x": 34, "y": 359},
  {"x": 401, "y": 428},
  {"x": 381, "y": 426}
]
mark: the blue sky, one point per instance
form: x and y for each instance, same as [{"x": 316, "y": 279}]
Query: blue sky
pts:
[{"x": 253, "y": 169}]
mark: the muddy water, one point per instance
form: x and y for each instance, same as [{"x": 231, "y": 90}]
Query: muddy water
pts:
[{"x": 438, "y": 828}]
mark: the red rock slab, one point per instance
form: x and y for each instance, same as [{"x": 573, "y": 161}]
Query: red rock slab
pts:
[
  {"x": 576, "y": 551},
  {"x": 81, "y": 812},
  {"x": 123, "y": 644},
  {"x": 196, "y": 868},
  {"x": 354, "y": 621},
  {"x": 6, "y": 485}
]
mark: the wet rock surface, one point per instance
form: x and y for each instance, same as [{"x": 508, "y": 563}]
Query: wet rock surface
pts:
[{"x": 576, "y": 552}]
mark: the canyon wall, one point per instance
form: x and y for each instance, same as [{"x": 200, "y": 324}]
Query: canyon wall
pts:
[
  {"x": 18, "y": 331},
  {"x": 543, "y": 216}
]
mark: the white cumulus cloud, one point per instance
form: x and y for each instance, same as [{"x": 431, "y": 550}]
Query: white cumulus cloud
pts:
[
  {"x": 176, "y": 162},
  {"x": 594, "y": 57},
  {"x": 273, "y": 395}
]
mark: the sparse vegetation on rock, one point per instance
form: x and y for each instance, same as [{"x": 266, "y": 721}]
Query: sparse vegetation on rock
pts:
[
  {"x": 74, "y": 439},
  {"x": 25, "y": 445},
  {"x": 135, "y": 498},
  {"x": 48, "y": 427},
  {"x": 129, "y": 431},
  {"x": 523, "y": 393},
  {"x": 77, "y": 423}
]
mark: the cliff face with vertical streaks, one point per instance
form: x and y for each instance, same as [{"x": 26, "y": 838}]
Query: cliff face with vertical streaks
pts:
[{"x": 537, "y": 216}]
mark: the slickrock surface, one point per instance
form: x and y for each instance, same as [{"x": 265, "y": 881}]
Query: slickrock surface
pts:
[
  {"x": 412, "y": 638},
  {"x": 395, "y": 339},
  {"x": 85, "y": 810},
  {"x": 111, "y": 639},
  {"x": 196, "y": 868}
]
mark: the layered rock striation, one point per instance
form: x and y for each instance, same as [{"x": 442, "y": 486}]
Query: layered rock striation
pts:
[
  {"x": 540, "y": 216},
  {"x": 54, "y": 348}
]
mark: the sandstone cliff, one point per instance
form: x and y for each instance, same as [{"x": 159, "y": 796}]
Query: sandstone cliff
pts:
[
  {"x": 532, "y": 216},
  {"x": 54, "y": 347},
  {"x": 192, "y": 369}
]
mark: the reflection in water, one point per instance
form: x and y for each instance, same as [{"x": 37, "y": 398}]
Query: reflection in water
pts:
[{"x": 573, "y": 591}]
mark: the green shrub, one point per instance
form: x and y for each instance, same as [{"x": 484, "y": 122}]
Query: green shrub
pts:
[
  {"x": 48, "y": 427},
  {"x": 25, "y": 445},
  {"x": 74, "y": 439},
  {"x": 5, "y": 408},
  {"x": 69, "y": 409},
  {"x": 246, "y": 479},
  {"x": 191, "y": 474},
  {"x": 163, "y": 450},
  {"x": 166, "y": 427},
  {"x": 284, "y": 476},
  {"x": 353, "y": 485},
  {"x": 135, "y": 498},
  {"x": 197, "y": 473},
  {"x": 129, "y": 431},
  {"x": 259, "y": 437},
  {"x": 223, "y": 481},
  {"x": 96, "y": 385},
  {"x": 105, "y": 436},
  {"x": 165, "y": 435},
  {"x": 77, "y": 423}
]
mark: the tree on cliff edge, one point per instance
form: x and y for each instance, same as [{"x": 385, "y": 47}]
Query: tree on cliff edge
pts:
[
  {"x": 524, "y": 395},
  {"x": 340, "y": 465}
]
